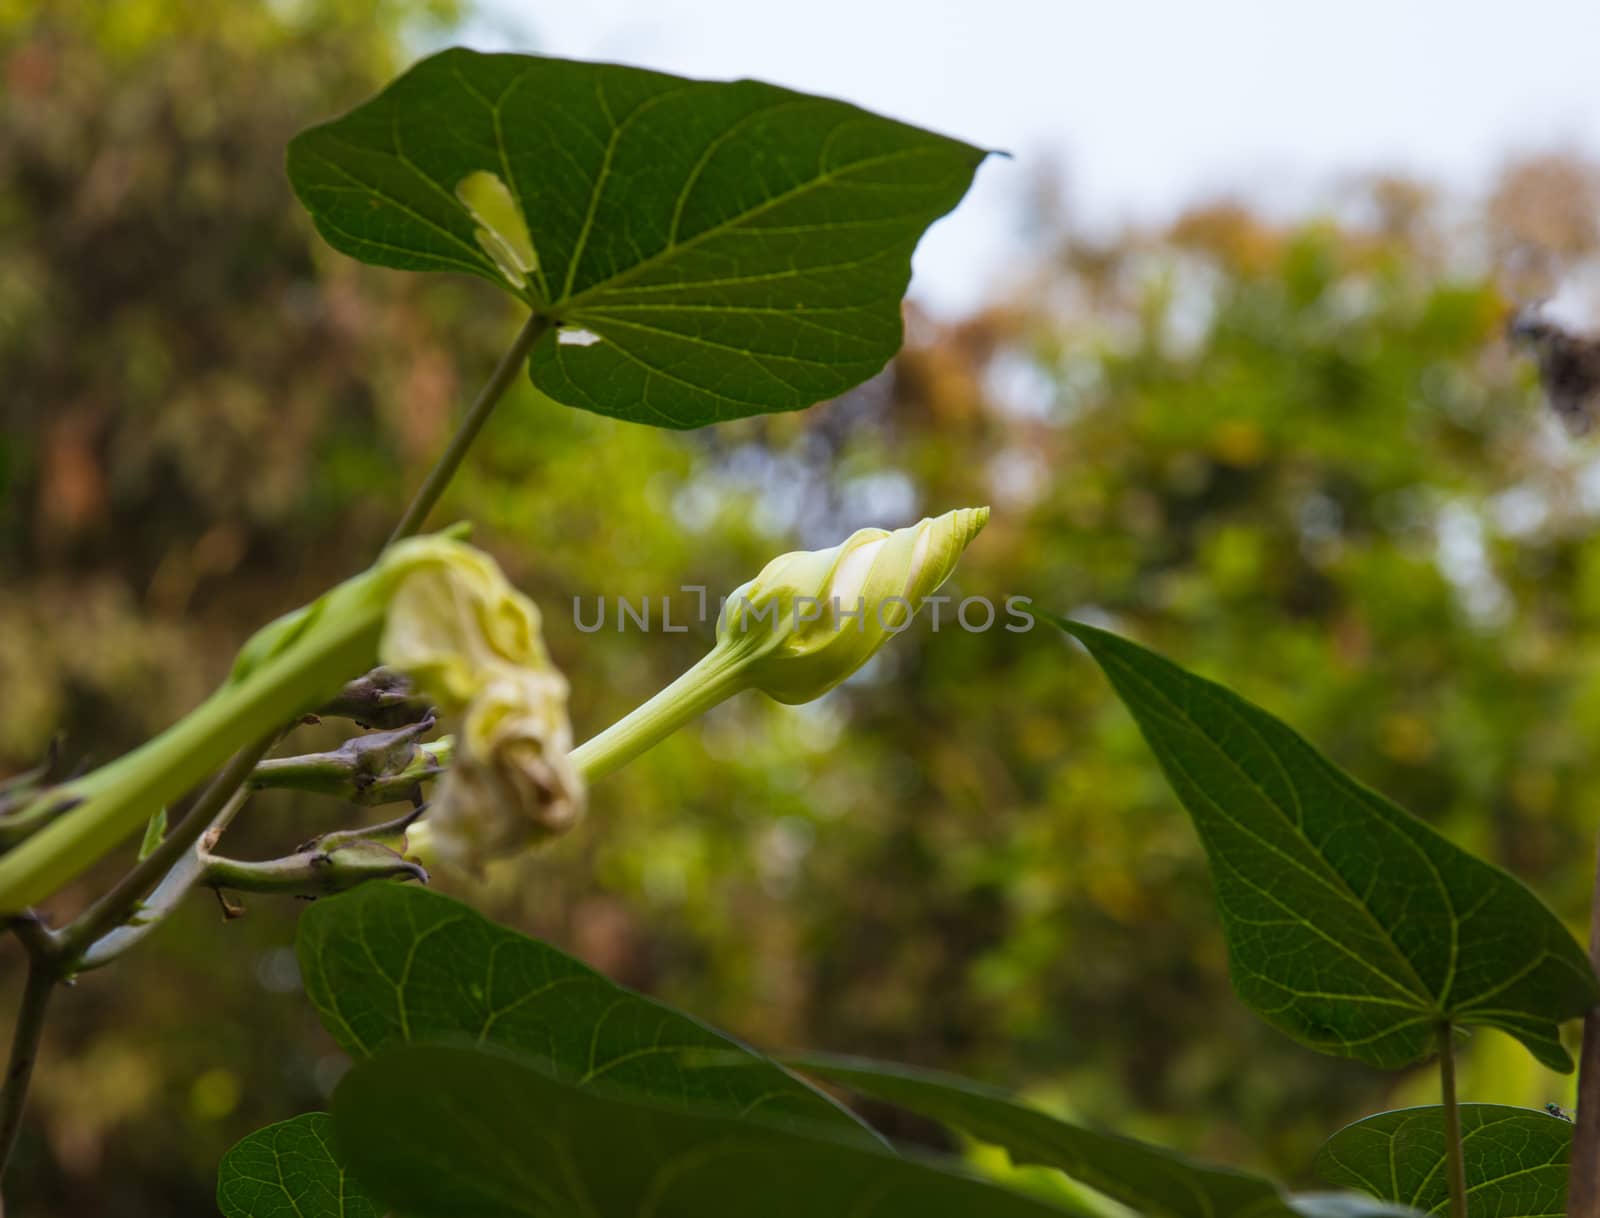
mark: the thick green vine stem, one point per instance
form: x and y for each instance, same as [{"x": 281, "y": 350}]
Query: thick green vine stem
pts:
[
  {"x": 433, "y": 487},
  {"x": 1455, "y": 1164},
  {"x": 313, "y": 872}
]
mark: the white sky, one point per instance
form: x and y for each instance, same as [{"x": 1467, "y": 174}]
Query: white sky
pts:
[{"x": 1147, "y": 104}]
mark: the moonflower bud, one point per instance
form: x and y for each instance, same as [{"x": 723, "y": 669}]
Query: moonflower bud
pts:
[
  {"x": 812, "y": 618},
  {"x": 800, "y": 627}
]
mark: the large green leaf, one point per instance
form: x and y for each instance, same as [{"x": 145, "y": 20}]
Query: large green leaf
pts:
[
  {"x": 1156, "y": 1182},
  {"x": 1351, "y": 925},
  {"x": 737, "y": 247},
  {"x": 288, "y": 1171},
  {"x": 1515, "y": 1158},
  {"x": 387, "y": 964},
  {"x": 462, "y": 1133}
]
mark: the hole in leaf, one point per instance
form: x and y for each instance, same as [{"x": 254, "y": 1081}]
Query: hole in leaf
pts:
[
  {"x": 576, "y": 336},
  {"x": 502, "y": 233}
]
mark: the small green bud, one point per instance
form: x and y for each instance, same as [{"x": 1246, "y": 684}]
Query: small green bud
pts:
[
  {"x": 812, "y": 618},
  {"x": 154, "y": 834}
]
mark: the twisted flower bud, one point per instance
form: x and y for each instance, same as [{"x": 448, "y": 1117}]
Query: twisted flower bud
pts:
[
  {"x": 812, "y": 618},
  {"x": 804, "y": 624}
]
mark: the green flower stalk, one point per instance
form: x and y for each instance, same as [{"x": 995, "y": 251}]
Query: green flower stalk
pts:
[
  {"x": 804, "y": 624},
  {"x": 286, "y": 669}
]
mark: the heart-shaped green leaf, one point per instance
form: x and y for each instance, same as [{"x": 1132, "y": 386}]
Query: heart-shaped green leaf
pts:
[
  {"x": 387, "y": 964},
  {"x": 444, "y": 1132},
  {"x": 1351, "y": 925},
  {"x": 1515, "y": 1158},
  {"x": 736, "y": 247},
  {"x": 1156, "y": 1182},
  {"x": 288, "y": 1171}
]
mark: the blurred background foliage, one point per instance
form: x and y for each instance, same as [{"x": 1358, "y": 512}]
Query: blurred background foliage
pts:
[{"x": 1295, "y": 455}]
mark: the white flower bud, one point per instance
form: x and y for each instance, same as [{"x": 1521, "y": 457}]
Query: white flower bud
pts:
[
  {"x": 811, "y": 618},
  {"x": 796, "y": 630}
]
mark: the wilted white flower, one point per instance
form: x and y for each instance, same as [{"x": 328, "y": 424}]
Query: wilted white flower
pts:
[
  {"x": 472, "y": 643},
  {"x": 512, "y": 783},
  {"x": 454, "y": 620}
]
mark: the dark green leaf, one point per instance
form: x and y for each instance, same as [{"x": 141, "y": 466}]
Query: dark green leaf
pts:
[
  {"x": 462, "y": 1133},
  {"x": 1351, "y": 925},
  {"x": 386, "y": 965},
  {"x": 738, "y": 248},
  {"x": 1516, "y": 1159},
  {"x": 1155, "y": 1181},
  {"x": 288, "y": 1171}
]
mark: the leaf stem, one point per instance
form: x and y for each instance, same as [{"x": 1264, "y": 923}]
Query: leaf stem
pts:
[
  {"x": 1583, "y": 1175},
  {"x": 1455, "y": 1165},
  {"x": 477, "y": 415}
]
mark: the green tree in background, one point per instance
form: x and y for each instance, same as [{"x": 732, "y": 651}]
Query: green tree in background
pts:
[{"x": 1299, "y": 455}]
